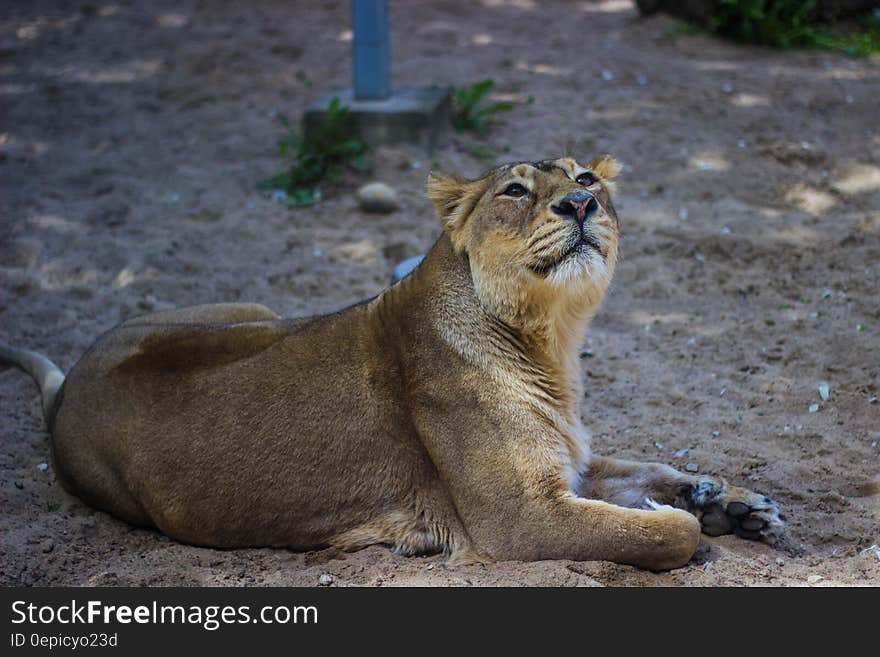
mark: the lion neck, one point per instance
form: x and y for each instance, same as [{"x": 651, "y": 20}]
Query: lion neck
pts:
[{"x": 505, "y": 321}]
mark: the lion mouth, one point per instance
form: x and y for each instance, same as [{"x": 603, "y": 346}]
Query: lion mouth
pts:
[{"x": 581, "y": 247}]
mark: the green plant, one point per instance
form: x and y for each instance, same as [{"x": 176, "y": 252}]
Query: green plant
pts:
[
  {"x": 470, "y": 109},
  {"x": 790, "y": 24},
  {"x": 779, "y": 23},
  {"x": 318, "y": 156}
]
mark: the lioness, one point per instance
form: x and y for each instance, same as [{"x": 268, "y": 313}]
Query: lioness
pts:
[{"x": 441, "y": 416}]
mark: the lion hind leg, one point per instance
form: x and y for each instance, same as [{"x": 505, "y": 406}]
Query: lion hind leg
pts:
[{"x": 402, "y": 531}]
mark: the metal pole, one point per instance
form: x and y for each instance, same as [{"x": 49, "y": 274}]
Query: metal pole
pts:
[{"x": 372, "y": 78}]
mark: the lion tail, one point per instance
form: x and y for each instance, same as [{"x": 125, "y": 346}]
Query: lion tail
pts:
[{"x": 47, "y": 374}]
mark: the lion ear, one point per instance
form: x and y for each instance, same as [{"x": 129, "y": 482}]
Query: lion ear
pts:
[
  {"x": 605, "y": 166},
  {"x": 452, "y": 199}
]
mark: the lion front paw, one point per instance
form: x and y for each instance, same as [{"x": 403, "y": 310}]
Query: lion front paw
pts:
[{"x": 725, "y": 509}]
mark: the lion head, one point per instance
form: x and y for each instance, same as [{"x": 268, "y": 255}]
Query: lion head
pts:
[{"x": 541, "y": 237}]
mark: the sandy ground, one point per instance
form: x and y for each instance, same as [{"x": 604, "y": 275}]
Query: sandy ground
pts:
[{"x": 133, "y": 136}]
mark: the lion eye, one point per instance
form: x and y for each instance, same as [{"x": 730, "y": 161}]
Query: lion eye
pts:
[
  {"x": 586, "y": 179},
  {"x": 515, "y": 190}
]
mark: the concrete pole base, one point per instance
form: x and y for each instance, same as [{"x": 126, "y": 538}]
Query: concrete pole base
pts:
[{"x": 411, "y": 115}]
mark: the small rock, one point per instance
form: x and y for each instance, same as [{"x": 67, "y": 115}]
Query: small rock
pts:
[
  {"x": 727, "y": 88},
  {"x": 430, "y": 566},
  {"x": 715, "y": 434},
  {"x": 683, "y": 214},
  {"x": 43, "y": 467},
  {"x": 692, "y": 467},
  {"x": 607, "y": 75},
  {"x": 814, "y": 408},
  {"x": 872, "y": 400},
  {"x": 48, "y": 545},
  {"x": 682, "y": 452},
  {"x": 827, "y": 294},
  {"x": 658, "y": 445},
  {"x": 19, "y": 485},
  {"x": 377, "y": 197},
  {"x": 824, "y": 391},
  {"x": 874, "y": 549},
  {"x": 326, "y": 580},
  {"x": 780, "y": 561},
  {"x": 812, "y": 579}
]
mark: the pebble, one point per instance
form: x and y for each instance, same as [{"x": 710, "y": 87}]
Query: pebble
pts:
[
  {"x": 872, "y": 400},
  {"x": 692, "y": 467},
  {"x": 326, "y": 580},
  {"x": 814, "y": 408},
  {"x": 48, "y": 545},
  {"x": 607, "y": 75},
  {"x": 780, "y": 561},
  {"x": 682, "y": 452},
  {"x": 874, "y": 549},
  {"x": 824, "y": 391},
  {"x": 377, "y": 197},
  {"x": 812, "y": 579},
  {"x": 43, "y": 466}
]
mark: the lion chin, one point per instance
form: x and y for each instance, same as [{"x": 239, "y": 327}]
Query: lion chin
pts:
[{"x": 582, "y": 265}]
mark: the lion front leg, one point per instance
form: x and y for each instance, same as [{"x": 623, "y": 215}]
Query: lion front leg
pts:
[{"x": 720, "y": 507}]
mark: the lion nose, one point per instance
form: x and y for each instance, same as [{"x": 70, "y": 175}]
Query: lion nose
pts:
[{"x": 580, "y": 206}]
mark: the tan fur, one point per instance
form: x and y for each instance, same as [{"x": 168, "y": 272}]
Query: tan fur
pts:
[{"x": 442, "y": 415}]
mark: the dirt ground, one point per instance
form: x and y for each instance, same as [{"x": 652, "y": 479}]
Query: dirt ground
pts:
[{"x": 133, "y": 137}]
